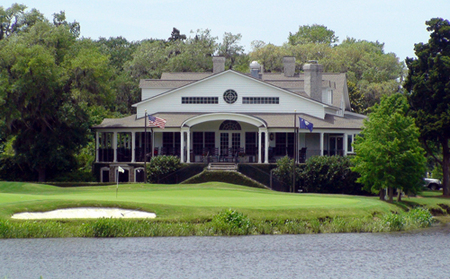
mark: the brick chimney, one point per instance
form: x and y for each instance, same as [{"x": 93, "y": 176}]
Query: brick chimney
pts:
[
  {"x": 218, "y": 64},
  {"x": 313, "y": 80},
  {"x": 289, "y": 66}
]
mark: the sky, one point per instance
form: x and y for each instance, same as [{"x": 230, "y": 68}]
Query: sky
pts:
[{"x": 399, "y": 24}]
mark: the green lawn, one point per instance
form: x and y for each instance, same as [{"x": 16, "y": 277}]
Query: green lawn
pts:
[{"x": 187, "y": 201}]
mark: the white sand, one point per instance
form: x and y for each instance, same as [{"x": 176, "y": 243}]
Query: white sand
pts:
[{"x": 84, "y": 213}]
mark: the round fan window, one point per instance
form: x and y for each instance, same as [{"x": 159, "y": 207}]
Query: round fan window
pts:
[{"x": 230, "y": 96}]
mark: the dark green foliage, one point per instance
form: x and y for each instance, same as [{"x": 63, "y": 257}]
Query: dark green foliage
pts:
[
  {"x": 428, "y": 83},
  {"x": 330, "y": 174},
  {"x": 258, "y": 172},
  {"x": 160, "y": 166},
  {"x": 284, "y": 173},
  {"x": 10, "y": 170},
  {"x": 223, "y": 176},
  {"x": 231, "y": 222}
]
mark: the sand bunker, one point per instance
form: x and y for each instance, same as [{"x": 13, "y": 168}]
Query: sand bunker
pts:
[{"x": 84, "y": 213}]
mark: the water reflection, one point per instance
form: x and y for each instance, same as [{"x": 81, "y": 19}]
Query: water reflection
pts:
[{"x": 419, "y": 254}]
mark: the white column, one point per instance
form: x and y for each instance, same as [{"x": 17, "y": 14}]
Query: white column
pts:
[
  {"x": 259, "y": 146},
  {"x": 345, "y": 144},
  {"x": 321, "y": 144},
  {"x": 97, "y": 146},
  {"x": 115, "y": 146},
  {"x": 188, "y": 147},
  {"x": 133, "y": 146},
  {"x": 182, "y": 146},
  {"x": 266, "y": 148}
]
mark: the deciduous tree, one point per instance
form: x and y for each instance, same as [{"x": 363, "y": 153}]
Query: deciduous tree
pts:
[
  {"x": 317, "y": 34},
  {"x": 388, "y": 152},
  {"x": 47, "y": 83}
]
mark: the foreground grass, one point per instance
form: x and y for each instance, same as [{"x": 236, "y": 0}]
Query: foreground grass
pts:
[{"x": 185, "y": 210}]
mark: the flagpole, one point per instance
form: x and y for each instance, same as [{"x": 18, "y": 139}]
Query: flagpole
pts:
[
  {"x": 145, "y": 147},
  {"x": 117, "y": 176},
  {"x": 294, "y": 151}
]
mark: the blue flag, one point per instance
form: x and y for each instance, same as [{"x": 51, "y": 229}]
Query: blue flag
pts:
[{"x": 305, "y": 124}]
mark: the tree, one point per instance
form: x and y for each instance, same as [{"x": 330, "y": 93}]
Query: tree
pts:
[
  {"x": 15, "y": 19},
  {"x": 152, "y": 58},
  {"x": 47, "y": 83},
  {"x": 60, "y": 19},
  {"x": 269, "y": 56},
  {"x": 428, "y": 86},
  {"x": 317, "y": 34},
  {"x": 230, "y": 49},
  {"x": 388, "y": 152}
]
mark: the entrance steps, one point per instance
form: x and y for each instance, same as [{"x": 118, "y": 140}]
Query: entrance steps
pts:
[{"x": 222, "y": 166}]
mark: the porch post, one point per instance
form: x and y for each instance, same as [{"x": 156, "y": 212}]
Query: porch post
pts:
[
  {"x": 266, "y": 147},
  {"x": 182, "y": 145},
  {"x": 188, "y": 143},
  {"x": 321, "y": 144},
  {"x": 115, "y": 145},
  {"x": 259, "y": 145},
  {"x": 345, "y": 144},
  {"x": 133, "y": 146},
  {"x": 97, "y": 146}
]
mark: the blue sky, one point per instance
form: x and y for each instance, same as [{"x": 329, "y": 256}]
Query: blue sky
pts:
[{"x": 397, "y": 23}]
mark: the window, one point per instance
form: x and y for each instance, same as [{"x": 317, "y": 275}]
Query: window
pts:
[
  {"x": 260, "y": 100},
  {"x": 230, "y": 125},
  {"x": 199, "y": 100},
  {"x": 230, "y": 96}
]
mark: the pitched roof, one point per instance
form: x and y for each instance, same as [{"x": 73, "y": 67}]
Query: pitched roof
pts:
[
  {"x": 273, "y": 120},
  {"x": 296, "y": 84}
]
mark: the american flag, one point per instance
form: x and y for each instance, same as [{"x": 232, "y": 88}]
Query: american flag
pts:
[{"x": 159, "y": 122}]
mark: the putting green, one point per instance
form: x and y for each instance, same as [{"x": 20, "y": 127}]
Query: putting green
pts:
[{"x": 202, "y": 195}]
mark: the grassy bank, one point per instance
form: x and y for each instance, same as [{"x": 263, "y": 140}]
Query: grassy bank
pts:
[{"x": 205, "y": 209}]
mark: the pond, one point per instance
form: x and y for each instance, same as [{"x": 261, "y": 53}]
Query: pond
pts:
[{"x": 417, "y": 254}]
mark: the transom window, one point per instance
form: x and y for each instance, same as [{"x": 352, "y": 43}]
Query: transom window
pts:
[
  {"x": 230, "y": 125},
  {"x": 260, "y": 100},
  {"x": 199, "y": 100},
  {"x": 230, "y": 96}
]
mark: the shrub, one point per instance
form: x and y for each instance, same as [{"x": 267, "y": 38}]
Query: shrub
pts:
[
  {"x": 330, "y": 174},
  {"x": 231, "y": 222},
  {"x": 413, "y": 219},
  {"x": 283, "y": 171},
  {"x": 160, "y": 166}
]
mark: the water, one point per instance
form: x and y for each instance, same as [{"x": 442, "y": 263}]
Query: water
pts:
[{"x": 419, "y": 254}]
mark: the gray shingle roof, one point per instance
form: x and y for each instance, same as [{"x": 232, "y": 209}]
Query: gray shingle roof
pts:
[{"x": 273, "y": 120}]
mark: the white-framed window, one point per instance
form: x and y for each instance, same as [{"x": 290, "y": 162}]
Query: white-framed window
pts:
[
  {"x": 350, "y": 140},
  {"x": 261, "y": 100},
  {"x": 199, "y": 100}
]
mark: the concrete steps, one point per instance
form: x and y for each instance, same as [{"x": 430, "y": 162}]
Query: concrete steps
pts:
[{"x": 222, "y": 166}]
